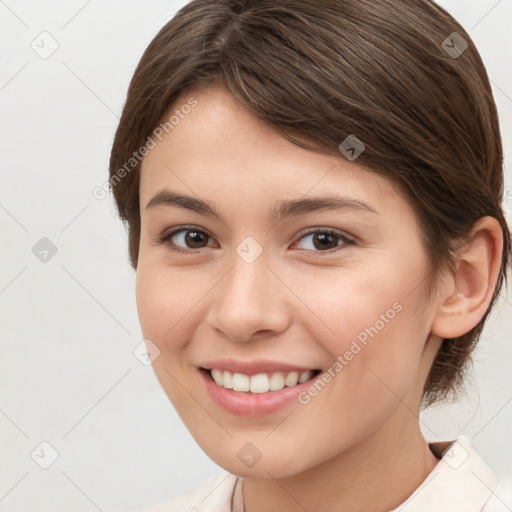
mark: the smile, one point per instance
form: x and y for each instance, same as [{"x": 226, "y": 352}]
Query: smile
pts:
[{"x": 261, "y": 382}]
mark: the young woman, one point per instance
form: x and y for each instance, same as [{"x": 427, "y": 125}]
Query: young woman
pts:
[{"x": 313, "y": 197}]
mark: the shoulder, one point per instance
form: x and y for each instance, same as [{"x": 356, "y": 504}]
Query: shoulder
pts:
[{"x": 212, "y": 496}]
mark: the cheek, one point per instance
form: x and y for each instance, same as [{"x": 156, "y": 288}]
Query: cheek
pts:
[
  {"x": 164, "y": 302},
  {"x": 375, "y": 331},
  {"x": 164, "y": 298},
  {"x": 150, "y": 298},
  {"x": 367, "y": 379}
]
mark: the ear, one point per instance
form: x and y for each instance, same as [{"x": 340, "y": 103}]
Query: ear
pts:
[{"x": 468, "y": 292}]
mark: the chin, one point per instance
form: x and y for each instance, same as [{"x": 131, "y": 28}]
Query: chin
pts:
[{"x": 248, "y": 462}]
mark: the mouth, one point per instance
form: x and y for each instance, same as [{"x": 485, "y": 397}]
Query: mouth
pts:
[{"x": 260, "y": 383}]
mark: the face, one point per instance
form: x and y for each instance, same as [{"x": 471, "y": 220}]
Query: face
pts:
[{"x": 255, "y": 282}]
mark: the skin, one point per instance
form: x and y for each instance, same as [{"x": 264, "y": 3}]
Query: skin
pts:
[{"x": 357, "y": 445}]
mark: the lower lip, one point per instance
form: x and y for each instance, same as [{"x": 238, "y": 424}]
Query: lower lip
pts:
[{"x": 253, "y": 404}]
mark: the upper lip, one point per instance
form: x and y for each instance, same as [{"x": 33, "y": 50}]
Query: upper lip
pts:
[{"x": 252, "y": 367}]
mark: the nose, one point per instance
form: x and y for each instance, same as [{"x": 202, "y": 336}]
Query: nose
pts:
[{"x": 250, "y": 302}]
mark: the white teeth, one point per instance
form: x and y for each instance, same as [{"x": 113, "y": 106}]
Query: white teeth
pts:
[
  {"x": 260, "y": 383},
  {"x": 291, "y": 379},
  {"x": 276, "y": 381},
  {"x": 304, "y": 376},
  {"x": 227, "y": 380},
  {"x": 217, "y": 377},
  {"x": 240, "y": 382}
]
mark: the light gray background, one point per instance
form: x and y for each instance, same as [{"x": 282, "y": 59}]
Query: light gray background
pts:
[{"x": 69, "y": 326}]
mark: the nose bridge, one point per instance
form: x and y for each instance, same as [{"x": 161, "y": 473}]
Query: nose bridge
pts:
[{"x": 247, "y": 302}]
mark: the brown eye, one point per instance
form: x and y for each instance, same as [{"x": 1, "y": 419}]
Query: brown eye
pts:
[
  {"x": 190, "y": 239},
  {"x": 323, "y": 240},
  {"x": 194, "y": 239},
  {"x": 185, "y": 238}
]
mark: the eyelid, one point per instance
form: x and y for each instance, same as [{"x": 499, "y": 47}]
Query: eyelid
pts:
[
  {"x": 333, "y": 231},
  {"x": 184, "y": 227}
]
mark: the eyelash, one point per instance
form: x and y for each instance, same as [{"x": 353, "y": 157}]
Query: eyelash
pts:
[{"x": 346, "y": 241}]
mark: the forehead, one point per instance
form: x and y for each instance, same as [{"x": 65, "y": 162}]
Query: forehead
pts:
[{"x": 219, "y": 147}]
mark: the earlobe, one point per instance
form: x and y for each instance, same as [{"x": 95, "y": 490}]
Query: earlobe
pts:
[{"x": 468, "y": 292}]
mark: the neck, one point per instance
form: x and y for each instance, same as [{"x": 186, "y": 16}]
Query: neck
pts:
[{"x": 375, "y": 475}]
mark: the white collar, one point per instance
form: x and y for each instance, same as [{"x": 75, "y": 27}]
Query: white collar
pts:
[{"x": 460, "y": 482}]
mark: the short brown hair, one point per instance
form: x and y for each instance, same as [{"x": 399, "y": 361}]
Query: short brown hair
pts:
[{"x": 401, "y": 75}]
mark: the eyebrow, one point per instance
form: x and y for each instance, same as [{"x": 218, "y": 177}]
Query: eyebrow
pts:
[{"x": 284, "y": 208}]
